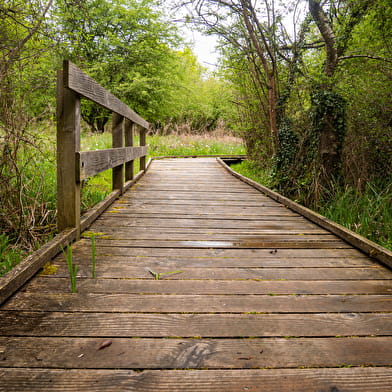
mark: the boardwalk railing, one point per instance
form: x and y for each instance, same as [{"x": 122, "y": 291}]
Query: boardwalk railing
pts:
[{"x": 73, "y": 165}]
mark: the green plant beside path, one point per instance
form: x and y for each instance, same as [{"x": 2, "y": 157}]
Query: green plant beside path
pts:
[{"x": 72, "y": 268}]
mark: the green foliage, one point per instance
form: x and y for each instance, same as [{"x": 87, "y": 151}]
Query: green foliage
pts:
[
  {"x": 206, "y": 144},
  {"x": 72, "y": 268},
  {"x": 254, "y": 172},
  {"x": 158, "y": 275},
  {"x": 367, "y": 212},
  {"x": 287, "y": 152},
  {"x": 126, "y": 46},
  {"x": 9, "y": 257}
]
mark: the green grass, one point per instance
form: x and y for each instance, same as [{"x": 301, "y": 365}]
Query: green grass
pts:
[
  {"x": 206, "y": 144},
  {"x": 368, "y": 213},
  {"x": 72, "y": 268},
  {"x": 248, "y": 169},
  {"x": 9, "y": 256},
  {"x": 194, "y": 145}
]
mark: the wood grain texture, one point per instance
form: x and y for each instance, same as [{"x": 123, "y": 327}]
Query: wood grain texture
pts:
[
  {"x": 148, "y": 353},
  {"x": 78, "y": 81},
  {"x": 255, "y": 298},
  {"x": 94, "y": 162},
  {"x": 68, "y": 143},
  {"x": 83, "y": 302},
  {"x": 45, "y": 284},
  {"x": 190, "y": 325},
  {"x": 376, "y": 379}
]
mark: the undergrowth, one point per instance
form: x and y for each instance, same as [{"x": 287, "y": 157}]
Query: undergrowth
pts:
[{"x": 367, "y": 212}]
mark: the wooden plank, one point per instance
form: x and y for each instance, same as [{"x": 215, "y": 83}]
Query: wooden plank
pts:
[
  {"x": 235, "y": 244},
  {"x": 78, "y": 81},
  {"x": 68, "y": 143},
  {"x": 223, "y": 196},
  {"x": 369, "y": 247},
  {"x": 20, "y": 274},
  {"x": 358, "y": 379},
  {"x": 126, "y": 236},
  {"x": 131, "y": 203},
  {"x": 175, "y": 263},
  {"x": 206, "y": 221},
  {"x": 140, "y": 272},
  {"x": 204, "y": 210},
  {"x": 220, "y": 252},
  {"x": 209, "y": 223},
  {"x": 186, "y": 287},
  {"x": 199, "y": 303},
  {"x": 129, "y": 128},
  {"x": 146, "y": 353},
  {"x": 260, "y": 380},
  {"x": 142, "y": 142},
  {"x": 58, "y": 324},
  {"x": 268, "y": 230},
  {"x": 94, "y": 162},
  {"x": 242, "y": 190},
  {"x": 117, "y": 142}
]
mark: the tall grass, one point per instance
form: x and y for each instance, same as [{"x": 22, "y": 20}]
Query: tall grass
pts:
[{"x": 367, "y": 212}]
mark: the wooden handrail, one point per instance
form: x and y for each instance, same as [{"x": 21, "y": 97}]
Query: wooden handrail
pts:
[{"x": 73, "y": 165}]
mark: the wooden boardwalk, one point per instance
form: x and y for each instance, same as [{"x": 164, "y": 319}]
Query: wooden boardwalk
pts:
[{"x": 261, "y": 299}]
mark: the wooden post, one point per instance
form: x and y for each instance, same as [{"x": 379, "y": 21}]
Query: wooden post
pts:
[
  {"x": 128, "y": 130},
  {"x": 68, "y": 143},
  {"x": 143, "y": 132},
  {"x": 118, "y": 141}
]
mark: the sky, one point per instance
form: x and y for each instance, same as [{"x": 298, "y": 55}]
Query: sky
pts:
[{"x": 203, "y": 47}]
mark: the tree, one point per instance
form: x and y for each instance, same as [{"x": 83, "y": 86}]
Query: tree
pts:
[
  {"x": 126, "y": 46},
  {"x": 23, "y": 43}
]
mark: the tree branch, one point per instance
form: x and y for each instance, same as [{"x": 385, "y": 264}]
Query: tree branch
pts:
[{"x": 367, "y": 56}]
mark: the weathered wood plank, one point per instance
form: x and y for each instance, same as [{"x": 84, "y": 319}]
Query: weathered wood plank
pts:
[
  {"x": 117, "y": 142},
  {"x": 140, "y": 272},
  {"x": 78, "y": 81},
  {"x": 253, "y": 212},
  {"x": 135, "y": 202},
  {"x": 176, "y": 195},
  {"x": 221, "y": 262},
  {"x": 356, "y": 379},
  {"x": 262, "y": 222},
  {"x": 129, "y": 128},
  {"x": 68, "y": 142},
  {"x": 223, "y": 252},
  {"x": 284, "y": 230},
  {"x": 91, "y": 163},
  {"x": 58, "y": 324},
  {"x": 235, "y": 244},
  {"x": 199, "y": 303},
  {"x": 146, "y": 353},
  {"x": 126, "y": 236},
  {"x": 186, "y": 287}
]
